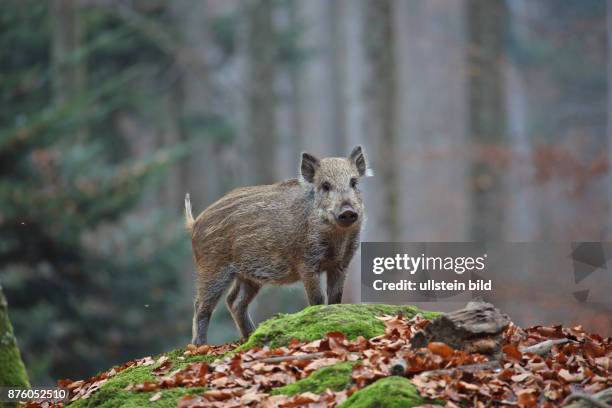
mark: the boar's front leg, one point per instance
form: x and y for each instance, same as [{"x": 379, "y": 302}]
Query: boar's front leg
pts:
[
  {"x": 335, "y": 286},
  {"x": 312, "y": 284},
  {"x": 238, "y": 300}
]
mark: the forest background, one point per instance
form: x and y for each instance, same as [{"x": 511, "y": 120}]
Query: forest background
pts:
[{"x": 483, "y": 120}]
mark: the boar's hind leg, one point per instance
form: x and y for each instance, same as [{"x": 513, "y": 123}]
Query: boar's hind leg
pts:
[
  {"x": 242, "y": 293},
  {"x": 208, "y": 293}
]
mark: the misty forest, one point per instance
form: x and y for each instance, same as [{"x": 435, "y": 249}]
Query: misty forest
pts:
[{"x": 482, "y": 121}]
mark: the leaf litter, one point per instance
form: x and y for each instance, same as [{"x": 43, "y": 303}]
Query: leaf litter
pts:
[{"x": 512, "y": 378}]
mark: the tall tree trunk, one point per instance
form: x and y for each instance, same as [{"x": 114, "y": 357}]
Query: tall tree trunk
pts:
[
  {"x": 608, "y": 235},
  {"x": 351, "y": 79},
  {"x": 12, "y": 372},
  {"x": 261, "y": 107},
  {"x": 262, "y": 98},
  {"x": 486, "y": 127},
  {"x": 195, "y": 100},
  {"x": 69, "y": 72},
  {"x": 383, "y": 107},
  {"x": 337, "y": 20},
  {"x": 318, "y": 114},
  {"x": 190, "y": 107},
  {"x": 297, "y": 92}
]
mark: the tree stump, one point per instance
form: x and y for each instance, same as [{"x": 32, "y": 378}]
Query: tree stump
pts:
[{"x": 476, "y": 328}]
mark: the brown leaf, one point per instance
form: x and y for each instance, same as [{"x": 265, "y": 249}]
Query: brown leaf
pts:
[
  {"x": 512, "y": 352},
  {"x": 164, "y": 365},
  {"x": 441, "y": 349},
  {"x": 506, "y": 374},
  {"x": 527, "y": 398},
  {"x": 554, "y": 332},
  {"x": 593, "y": 349}
]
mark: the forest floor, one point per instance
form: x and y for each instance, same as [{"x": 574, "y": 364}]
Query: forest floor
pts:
[{"x": 357, "y": 356}]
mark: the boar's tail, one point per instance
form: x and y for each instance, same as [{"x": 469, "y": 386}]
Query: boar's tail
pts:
[{"x": 189, "y": 221}]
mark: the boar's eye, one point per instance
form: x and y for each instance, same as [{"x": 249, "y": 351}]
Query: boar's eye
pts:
[
  {"x": 354, "y": 182},
  {"x": 325, "y": 186}
]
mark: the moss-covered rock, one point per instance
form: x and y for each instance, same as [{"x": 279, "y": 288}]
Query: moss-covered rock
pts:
[
  {"x": 110, "y": 396},
  {"x": 315, "y": 321},
  {"x": 310, "y": 324},
  {"x": 335, "y": 377},
  {"x": 12, "y": 370},
  {"x": 389, "y": 392},
  {"x": 113, "y": 393}
]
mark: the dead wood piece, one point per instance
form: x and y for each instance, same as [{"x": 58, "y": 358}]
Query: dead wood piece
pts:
[
  {"x": 468, "y": 368},
  {"x": 280, "y": 359},
  {"x": 544, "y": 347},
  {"x": 293, "y": 357},
  {"x": 602, "y": 399},
  {"x": 462, "y": 327},
  {"x": 486, "y": 345}
]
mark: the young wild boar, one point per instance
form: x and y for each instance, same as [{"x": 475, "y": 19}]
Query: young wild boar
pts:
[{"x": 280, "y": 233}]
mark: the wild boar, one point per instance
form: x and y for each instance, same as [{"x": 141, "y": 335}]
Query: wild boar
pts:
[{"x": 281, "y": 233}]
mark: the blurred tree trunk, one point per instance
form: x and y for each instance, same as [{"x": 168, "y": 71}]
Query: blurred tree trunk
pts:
[
  {"x": 170, "y": 134},
  {"x": 297, "y": 92},
  {"x": 318, "y": 115},
  {"x": 262, "y": 99},
  {"x": 383, "y": 108},
  {"x": 261, "y": 106},
  {"x": 486, "y": 127},
  {"x": 69, "y": 73},
  {"x": 608, "y": 236},
  {"x": 337, "y": 21},
  {"x": 195, "y": 100},
  {"x": 13, "y": 373},
  {"x": 352, "y": 72},
  {"x": 189, "y": 109},
  {"x": 350, "y": 27}
]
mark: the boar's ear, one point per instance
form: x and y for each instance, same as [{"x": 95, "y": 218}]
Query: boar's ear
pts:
[
  {"x": 358, "y": 158},
  {"x": 308, "y": 167}
]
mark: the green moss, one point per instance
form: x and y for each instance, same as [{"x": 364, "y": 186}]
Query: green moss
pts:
[
  {"x": 126, "y": 399},
  {"x": 310, "y": 324},
  {"x": 315, "y": 321},
  {"x": 181, "y": 361},
  {"x": 336, "y": 377},
  {"x": 12, "y": 370},
  {"x": 389, "y": 392},
  {"x": 113, "y": 392}
]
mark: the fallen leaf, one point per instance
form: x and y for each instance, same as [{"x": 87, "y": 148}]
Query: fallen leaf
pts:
[{"x": 156, "y": 397}]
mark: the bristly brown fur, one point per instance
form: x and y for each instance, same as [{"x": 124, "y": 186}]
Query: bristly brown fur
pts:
[{"x": 278, "y": 233}]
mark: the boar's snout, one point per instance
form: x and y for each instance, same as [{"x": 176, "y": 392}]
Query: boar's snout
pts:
[{"x": 347, "y": 216}]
